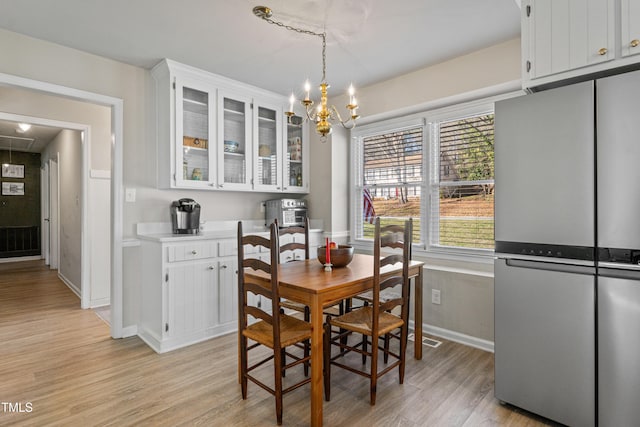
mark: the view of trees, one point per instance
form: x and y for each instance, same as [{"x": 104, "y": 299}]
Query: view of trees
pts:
[{"x": 393, "y": 173}]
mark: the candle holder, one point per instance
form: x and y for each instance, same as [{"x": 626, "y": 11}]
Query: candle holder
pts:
[{"x": 327, "y": 267}]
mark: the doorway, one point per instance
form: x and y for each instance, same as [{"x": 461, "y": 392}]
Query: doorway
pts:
[{"x": 115, "y": 184}]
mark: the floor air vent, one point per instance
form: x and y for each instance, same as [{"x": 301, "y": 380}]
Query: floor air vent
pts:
[{"x": 426, "y": 341}]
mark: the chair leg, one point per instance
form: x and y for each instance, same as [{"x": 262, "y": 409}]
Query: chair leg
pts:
[
  {"x": 364, "y": 349},
  {"x": 283, "y": 357},
  {"x": 403, "y": 351},
  {"x": 278, "y": 374},
  {"x": 386, "y": 339},
  {"x": 243, "y": 366},
  {"x": 307, "y": 346},
  {"x": 326, "y": 360},
  {"x": 374, "y": 370}
]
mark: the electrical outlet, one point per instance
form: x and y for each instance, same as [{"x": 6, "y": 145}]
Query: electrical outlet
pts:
[{"x": 435, "y": 296}]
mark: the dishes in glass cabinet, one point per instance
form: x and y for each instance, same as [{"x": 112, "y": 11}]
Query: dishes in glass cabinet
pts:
[
  {"x": 264, "y": 150},
  {"x": 230, "y": 146},
  {"x": 295, "y": 148}
]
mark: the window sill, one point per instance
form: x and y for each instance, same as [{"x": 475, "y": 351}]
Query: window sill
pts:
[{"x": 472, "y": 264}]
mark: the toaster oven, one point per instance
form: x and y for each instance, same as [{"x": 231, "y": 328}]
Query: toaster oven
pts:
[{"x": 288, "y": 212}]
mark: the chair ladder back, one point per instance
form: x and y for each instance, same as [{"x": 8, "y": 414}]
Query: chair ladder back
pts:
[
  {"x": 293, "y": 230},
  {"x": 245, "y": 287}
]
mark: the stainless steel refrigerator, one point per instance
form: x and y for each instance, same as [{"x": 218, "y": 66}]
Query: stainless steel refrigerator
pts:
[
  {"x": 545, "y": 279},
  {"x": 618, "y": 238},
  {"x": 567, "y": 273}
]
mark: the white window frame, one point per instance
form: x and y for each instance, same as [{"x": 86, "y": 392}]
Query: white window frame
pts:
[
  {"x": 356, "y": 172},
  {"x": 427, "y": 115},
  {"x": 435, "y": 117}
]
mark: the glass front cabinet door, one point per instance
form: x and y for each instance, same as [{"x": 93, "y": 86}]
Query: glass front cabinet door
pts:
[
  {"x": 234, "y": 164},
  {"x": 295, "y": 156},
  {"x": 267, "y": 125},
  {"x": 195, "y": 125}
]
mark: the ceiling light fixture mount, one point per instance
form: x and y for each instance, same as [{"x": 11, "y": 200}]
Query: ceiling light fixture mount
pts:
[{"x": 324, "y": 114}]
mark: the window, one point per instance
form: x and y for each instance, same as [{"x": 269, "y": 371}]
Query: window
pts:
[
  {"x": 461, "y": 184},
  {"x": 436, "y": 167},
  {"x": 392, "y": 169}
]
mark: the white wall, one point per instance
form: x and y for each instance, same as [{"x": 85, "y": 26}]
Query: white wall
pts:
[{"x": 66, "y": 148}]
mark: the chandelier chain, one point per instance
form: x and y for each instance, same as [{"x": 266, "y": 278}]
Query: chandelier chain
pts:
[{"x": 323, "y": 35}]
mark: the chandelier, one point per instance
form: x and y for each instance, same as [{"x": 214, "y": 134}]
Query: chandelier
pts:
[{"x": 324, "y": 114}]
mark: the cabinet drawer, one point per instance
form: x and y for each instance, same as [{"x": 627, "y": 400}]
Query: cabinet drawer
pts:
[
  {"x": 191, "y": 250},
  {"x": 228, "y": 247}
]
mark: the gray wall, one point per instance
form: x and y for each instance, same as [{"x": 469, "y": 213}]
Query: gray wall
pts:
[
  {"x": 466, "y": 284},
  {"x": 43, "y": 61},
  {"x": 66, "y": 148}
]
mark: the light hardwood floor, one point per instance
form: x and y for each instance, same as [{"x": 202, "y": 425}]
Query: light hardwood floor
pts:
[{"x": 62, "y": 362}]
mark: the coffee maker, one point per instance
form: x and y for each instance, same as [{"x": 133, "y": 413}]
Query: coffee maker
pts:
[{"x": 185, "y": 216}]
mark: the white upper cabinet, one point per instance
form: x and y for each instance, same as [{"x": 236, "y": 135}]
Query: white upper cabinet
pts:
[
  {"x": 234, "y": 151},
  {"x": 566, "y": 39},
  {"x": 296, "y": 158},
  {"x": 630, "y": 27},
  {"x": 214, "y": 133},
  {"x": 194, "y": 128},
  {"x": 267, "y": 125}
]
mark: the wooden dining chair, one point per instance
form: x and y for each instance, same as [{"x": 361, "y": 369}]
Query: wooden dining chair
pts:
[
  {"x": 274, "y": 329},
  {"x": 373, "y": 321},
  {"x": 392, "y": 238},
  {"x": 288, "y": 252}
]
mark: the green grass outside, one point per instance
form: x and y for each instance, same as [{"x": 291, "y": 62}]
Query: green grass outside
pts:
[{"x": 469, "y": 233}]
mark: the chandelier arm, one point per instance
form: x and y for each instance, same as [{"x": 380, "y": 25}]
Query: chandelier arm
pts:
[{"x": 344, "y": 123}]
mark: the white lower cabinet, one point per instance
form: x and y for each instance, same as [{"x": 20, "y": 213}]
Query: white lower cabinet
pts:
[{"x": 188, "y": 292}]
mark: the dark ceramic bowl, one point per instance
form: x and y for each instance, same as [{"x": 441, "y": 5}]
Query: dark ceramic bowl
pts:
[{"x": 340, "y": 256}]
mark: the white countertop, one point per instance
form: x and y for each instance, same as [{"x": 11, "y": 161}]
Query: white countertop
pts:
[{"x": 161, "y": 231}]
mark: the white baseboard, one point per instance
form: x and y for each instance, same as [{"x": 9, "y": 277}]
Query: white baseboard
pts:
[
  {"x": 70, "y": 285},
  {"x": 99, "y": 302},
  {"x": 458, "y": 337},
  {"x": 129, "y": 331},
  {"x": 21, "y": 258}
]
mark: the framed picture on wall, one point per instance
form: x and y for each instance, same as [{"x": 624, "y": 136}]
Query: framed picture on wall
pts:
[
  {"x": 13, "y": 188},
  {"x": 12, "y": 171}
]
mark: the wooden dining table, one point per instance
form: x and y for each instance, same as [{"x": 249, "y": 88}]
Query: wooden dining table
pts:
[{"x": 308, "y": 283}]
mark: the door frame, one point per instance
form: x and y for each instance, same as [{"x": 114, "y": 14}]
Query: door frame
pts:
[
  {"x": 54, "y": 221},
  {"x": 44, "y": 211},
  {"x": 117, "y": 122},
  {"x": 52, "y": 258}
]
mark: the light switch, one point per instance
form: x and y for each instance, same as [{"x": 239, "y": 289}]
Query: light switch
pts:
[{"x": 130, "y": 194}]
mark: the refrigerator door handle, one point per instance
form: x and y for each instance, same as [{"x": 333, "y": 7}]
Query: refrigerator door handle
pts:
[
  {"x": 550, "y": 266},
  {"x": 544, "y": 259}
]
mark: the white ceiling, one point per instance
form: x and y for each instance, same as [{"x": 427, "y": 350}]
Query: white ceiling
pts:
[
  {"x": 33, "y": 141},
  {"x": 368, "y": 41}
]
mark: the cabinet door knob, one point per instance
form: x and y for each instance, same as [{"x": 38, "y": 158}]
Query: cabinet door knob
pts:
[
  {"x": 634, "y": 43},
  {"x": 211, "y": 267},
  {"x": 602, "y": 51},
  {"x": 224, "y": 266},
  {"x": 194, "y": 252}
]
